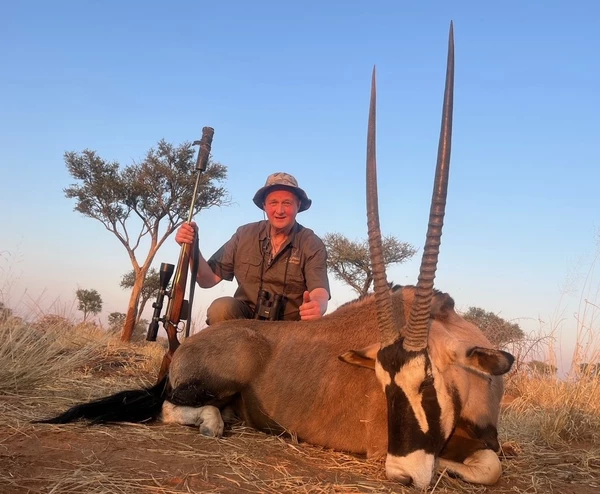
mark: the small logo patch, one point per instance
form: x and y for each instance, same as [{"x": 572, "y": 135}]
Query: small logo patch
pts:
[{"x": 295, "y": 257}]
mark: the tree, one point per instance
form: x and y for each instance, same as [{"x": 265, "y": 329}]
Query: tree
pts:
[
  {"x": 142, "y": 198},
  {"x": 589, "y": 370},
  {"x": 52, "y": 321},
  {"x": 117, "y": 319},
  {"x": 540, "y": 368},
  {"x": 149, "y": 288},
  {"x": 498, "y": 330},
  {"x": 350, "y": 261},
  {"x": 5, "y": 313},
  {"x": 90, "y": 302}
]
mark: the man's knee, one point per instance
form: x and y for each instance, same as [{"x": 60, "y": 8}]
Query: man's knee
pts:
[{"x": 225, "y": 309}]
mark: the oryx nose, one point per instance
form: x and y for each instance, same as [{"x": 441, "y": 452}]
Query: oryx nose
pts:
[
  {"x": 399, "y": 476},
  {"x": 414, "y": 469},
  {"x": 404, "y": 480}
]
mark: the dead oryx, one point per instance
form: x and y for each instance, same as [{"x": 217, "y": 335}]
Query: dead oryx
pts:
[{"x": 398, "y": 372}]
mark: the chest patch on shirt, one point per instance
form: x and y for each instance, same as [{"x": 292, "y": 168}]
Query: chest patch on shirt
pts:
[{"x": 295, "y": 256}]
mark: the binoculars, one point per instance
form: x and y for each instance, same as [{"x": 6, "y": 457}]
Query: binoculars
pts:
[{"x": 269, "y": 308}]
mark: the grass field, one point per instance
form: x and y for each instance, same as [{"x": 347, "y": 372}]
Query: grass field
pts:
[{"x": 550, "y": 431}]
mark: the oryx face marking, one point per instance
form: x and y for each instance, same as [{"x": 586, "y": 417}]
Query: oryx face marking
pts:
[
  {"x": 415, "y": 435},
  {"x": 403, "y": 363}
]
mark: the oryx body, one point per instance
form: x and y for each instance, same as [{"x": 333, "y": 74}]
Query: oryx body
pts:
[
  {"x": 397, "y": 373},
  {"x": 286, "y": 376}
]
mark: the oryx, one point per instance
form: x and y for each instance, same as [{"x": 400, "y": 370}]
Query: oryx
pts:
[{"x": 397, "y": 373}]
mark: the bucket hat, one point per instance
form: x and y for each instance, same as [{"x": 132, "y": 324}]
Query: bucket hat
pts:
[{"x": 279, "y": 181}]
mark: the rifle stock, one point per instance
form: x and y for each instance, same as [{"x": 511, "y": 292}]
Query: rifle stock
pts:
[{"x": 178, "y": 308}]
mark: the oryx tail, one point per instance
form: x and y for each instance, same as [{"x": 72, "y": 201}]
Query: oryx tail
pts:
[{"x": 135, "y": 405}]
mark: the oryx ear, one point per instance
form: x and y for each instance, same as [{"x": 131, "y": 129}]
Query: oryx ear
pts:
[
  {"x": 362, "y": 358},
  {"x": 489, "y": 361}
]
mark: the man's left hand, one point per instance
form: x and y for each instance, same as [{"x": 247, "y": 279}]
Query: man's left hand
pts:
[{"x": 310, "y": 309}]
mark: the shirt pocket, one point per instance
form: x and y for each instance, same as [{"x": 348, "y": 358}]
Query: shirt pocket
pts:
[
  {"x": 249, "y": 269},
  {"x": 295, "y": 279}
]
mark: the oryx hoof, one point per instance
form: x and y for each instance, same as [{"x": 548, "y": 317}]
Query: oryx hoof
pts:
[{"x": 209, "y": 422}]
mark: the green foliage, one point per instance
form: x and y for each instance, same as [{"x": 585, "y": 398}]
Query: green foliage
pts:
[
  {"x": 540, "y": 368},
  {"x": 498, "y": 330},
  {"x": 350, "y": 261},
  {"x": 155, "y": 193},
  {"x": 589, "y": 370},
  {"x": 149, "y": 289},
  {"x": 52, "y": 322},
  {"x": 116, "y": 321},
  {"x": 159, "y": 187},
  {"x": 89, "y": 302},
  {"x": 5, "y": 313},
  {"x": 141, "y": 328}
]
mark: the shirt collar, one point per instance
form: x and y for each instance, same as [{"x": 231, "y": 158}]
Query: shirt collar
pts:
[{"x": 264, "y": 231}]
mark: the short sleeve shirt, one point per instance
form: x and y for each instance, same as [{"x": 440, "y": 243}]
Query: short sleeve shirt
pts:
[{"x": 300, "y": 265}]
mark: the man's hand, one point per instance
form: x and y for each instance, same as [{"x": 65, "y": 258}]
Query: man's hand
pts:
[
  {"x": 186, "y": 233},
  {"x": 314, "y": 304},
  {"x": 205, "y": 277}
]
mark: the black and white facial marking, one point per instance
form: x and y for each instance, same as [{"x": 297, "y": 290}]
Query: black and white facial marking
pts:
[{"x": 416, "y": 433}]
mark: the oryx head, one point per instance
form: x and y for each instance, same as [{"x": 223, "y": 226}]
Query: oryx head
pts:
[{"x": 422, "y": 407}]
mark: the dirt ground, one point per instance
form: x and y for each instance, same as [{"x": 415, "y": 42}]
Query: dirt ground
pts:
[
  {"x": 155, "y": 458},
  {"x": 162, "y": 459}
]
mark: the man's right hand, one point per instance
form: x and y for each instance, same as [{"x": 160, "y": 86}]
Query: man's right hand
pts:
[{"x": 186, "y": 233}]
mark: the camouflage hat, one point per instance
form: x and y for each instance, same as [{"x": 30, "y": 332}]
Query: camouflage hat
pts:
[{"x": 285, "y": 181}]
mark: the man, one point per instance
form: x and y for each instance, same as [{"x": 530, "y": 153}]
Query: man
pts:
[{"x": 277, "y": 255}]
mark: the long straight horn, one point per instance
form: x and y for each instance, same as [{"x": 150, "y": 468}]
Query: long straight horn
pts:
[
  {"x": 383, "y": 299},
  {"x": 418, "y": 323}
]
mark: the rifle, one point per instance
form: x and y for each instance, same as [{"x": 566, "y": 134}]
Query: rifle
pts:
[{"x": 178, "y": 308}]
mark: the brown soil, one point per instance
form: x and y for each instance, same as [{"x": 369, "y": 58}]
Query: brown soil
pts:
[
  {"x": 132, "y": 458},
  {"x": 162, "y": 459}
]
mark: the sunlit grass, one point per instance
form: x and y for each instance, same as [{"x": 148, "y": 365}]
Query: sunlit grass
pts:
[
  {"x": 53, "y": 362},
  {"x": 558, "y": 410},
  {"x": 32, "y": 356},
  {"x": 36, "y": 355}
]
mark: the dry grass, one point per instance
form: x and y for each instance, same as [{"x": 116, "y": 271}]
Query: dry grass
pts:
[
  {"x": 553, "y": 427},
  {"x": 64, "y": 364},
  {"x": 554, "y": 411},
  {"x": 559, "y": 412},
  {"x": 31, "y": 357}
]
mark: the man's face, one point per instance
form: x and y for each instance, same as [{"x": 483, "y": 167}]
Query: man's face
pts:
[{"x": 281, "y": 207}]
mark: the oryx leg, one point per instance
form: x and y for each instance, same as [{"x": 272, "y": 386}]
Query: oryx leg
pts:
[
  {"x": 197, "y": 404},
  {"x": 207, "y": 418},
  {"x": 481, "y": 467},
  {"x": 208, "y": 370}
]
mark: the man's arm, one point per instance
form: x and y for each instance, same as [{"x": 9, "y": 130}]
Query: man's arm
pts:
[{"x": 205, "y": 276}]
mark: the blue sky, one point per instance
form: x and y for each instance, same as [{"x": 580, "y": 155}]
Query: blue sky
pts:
[{"x": 286, "y": 86}]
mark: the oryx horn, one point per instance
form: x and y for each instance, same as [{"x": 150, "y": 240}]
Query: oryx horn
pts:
[
  {"x": 418, "y": 322},
  {"x": 383, "y": 299}
]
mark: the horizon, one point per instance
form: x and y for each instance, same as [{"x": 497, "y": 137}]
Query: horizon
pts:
[{"x": 286, "y": 88}]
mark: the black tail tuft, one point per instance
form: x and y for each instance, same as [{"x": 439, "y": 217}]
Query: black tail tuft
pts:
[{"x": 136, "y": 405}]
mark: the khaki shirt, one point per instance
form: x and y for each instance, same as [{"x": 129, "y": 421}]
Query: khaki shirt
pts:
[{"x": 300, "y": 265}]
